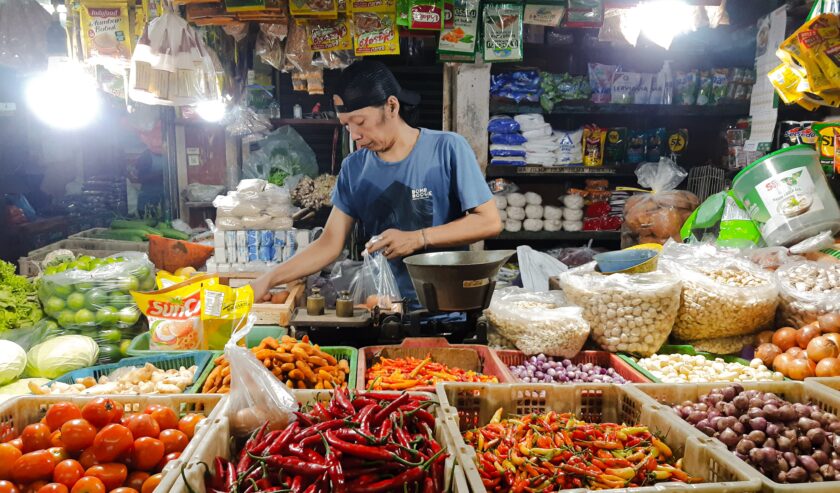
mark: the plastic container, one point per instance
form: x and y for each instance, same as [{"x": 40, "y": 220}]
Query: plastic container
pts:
[
  {"x": 663, "y": 396},
  {"x": 216, "y": 442},
  {"x": 787, "y": 196},
  {"x": 140, "y": 345},
  {"x": 468, "y": 405},
  {"x": 348, "y": 353},
  {"x": 30, "y": 265},
  {"x": 680, "y": 349},
  {"x": 601, "y": 358},
  {"x": 636, "y": 261},
  {"x": 15, "y": 414},
  {"x": 421, "y": 347},
  {"x": 165, "y": 361}
]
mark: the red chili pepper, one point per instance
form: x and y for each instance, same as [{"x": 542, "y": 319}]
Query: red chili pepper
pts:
[
  {"x": 366, "y": 416},
  {"x": 341, "y": 397},
  {"x": 297, "y": 484},
  {"x": 390, "y": 408},
  {"x": 360, "y": 403},
  {"x": 385, "y": 430},
  {"x": 410, "y": 476},
  {"x": 283, "y": 439},
  {"x": 299, "y": 447},
  {"x": 304, "y": 418},
  {"x": 320, "y": 427},
  {"x": 293, "y": 465},
  {"x": 337, "y": 476},
  {"x": 365, "y": 451}
]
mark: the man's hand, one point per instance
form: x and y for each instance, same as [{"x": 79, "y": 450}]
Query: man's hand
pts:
[
  {"x": 261, "y": 285},
  {"x": 395, "y": 243}
]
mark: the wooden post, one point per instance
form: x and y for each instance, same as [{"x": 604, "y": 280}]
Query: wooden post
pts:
[{"x": 471, "y": 102}]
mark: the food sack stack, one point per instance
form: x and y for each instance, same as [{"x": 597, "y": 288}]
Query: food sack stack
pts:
[{"x": 540, "y": 146}]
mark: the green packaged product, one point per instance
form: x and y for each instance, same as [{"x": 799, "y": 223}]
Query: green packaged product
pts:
[
  {"x": 502, "y": 33},
  {"x": 721, "y": 218},
  {"x": 615, "y": 147},
  {"x": 704, "y": 94},
  {"x": 457, "y": 43},
  {"x": 720, "y": 85},
  {"x": 685, "y": 87}
]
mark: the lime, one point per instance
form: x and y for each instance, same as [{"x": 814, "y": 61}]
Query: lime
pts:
[
  {"x": 66, "y": 318},
  {"x": 129, "y": 283},
  {"x": 85, "y": 317},
  {"x": 96, "y": 298},
  {"x": 62, "y": 290},
  {"x": 148, "y": 283},
  {"x": 50, "y": 325},
  {"x": 129, "y": 315},
  {"x": 109, "y": 353},
  {"x": 54, "y": 305},
  {"x": 107, "y": 315},
  {"x": 83, "y": 286},
  {"x": 111, "y": 336},
  {"x": 120, "y": 299},
  {"x": 124, "y": 345},
  {"x": 76, "y": 301},
  {"x": 141, "y": 272}
]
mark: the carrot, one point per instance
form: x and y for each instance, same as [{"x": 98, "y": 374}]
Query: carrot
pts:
[{"x": 171, "y": 255}]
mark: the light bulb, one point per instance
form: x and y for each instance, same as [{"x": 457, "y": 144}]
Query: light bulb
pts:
[{"x": 63, "y": 97}]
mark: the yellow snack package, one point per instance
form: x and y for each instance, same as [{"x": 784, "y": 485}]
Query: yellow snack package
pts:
[
  {"x": 222, "y": 309},
  {"x": 174, "y": 314},
  {"x": 375, "y": 33},
  {"x": 371, "y": 5},
  {"x": 786, "y": 83},
  {"x": 329, "y": 35},
  {"x": 313, "y": 9},
  {"x": 106, "y": 32},
  {"x": 594, "y": 139}
]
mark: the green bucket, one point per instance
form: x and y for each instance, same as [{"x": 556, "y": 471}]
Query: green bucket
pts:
[{"x": 787, "y": 195}]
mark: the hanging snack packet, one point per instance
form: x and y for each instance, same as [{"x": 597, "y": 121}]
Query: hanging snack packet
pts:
[
  {"x": 373, "y": 5},
  {"x": 657, "y": 140},
  {"x": 704, "y": 94},
  {"x": 329, "y": 35},
  {"x": 375, "y": 33},
  {"x": 584, "y": 13},
  {"x": 174, "y": 314},
  {"x": 720, "y": 85},
  {"x": 106, "y": 32},
  {"x": 624, "y": 87},
  {"x": 570, "y": 150},
  {"x": 615, "y": 146},
  {"x": 313, "y": 9},
  {"x": 222, "y": 309},
  {"x": 593, "y": 145},
  {"x": 425, "y": 15},
  {"x": 601, "y": 81},
  {"x": 827, "y": 136},
  {"x": 502, "y": 32},
  {"x": 460, "y": 39},
  {"x": 636, "y": 144}
]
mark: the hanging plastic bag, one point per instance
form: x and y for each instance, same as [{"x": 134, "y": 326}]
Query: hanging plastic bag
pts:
[
  {"x": 375, "y": 285},
  {"x": 538, "y": 322},
  {"x": 537, "y": 267},
  {"x": 658, "y": 215},
  {"x": 256, "y": 396},
  {"x": 807, "y": 290},
  {"x": 282, "y": 154}
]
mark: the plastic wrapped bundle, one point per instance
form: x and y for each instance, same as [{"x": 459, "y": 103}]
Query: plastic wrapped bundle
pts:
[
  {"x": 517, "y": 213},
  {"x": 513, "y": 225},
  {"x": 516, "y": 199},
  {"x": 532, "y": 225},
  {"x": 533, "y": 211},
  {"x": 572, "y": 214}
]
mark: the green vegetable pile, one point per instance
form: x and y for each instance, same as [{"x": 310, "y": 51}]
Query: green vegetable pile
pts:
[
  {"x": 562, "y": 87},
  {"x": 18, "y": 303}
]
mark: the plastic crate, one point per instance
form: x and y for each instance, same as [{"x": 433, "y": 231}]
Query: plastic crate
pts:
[
  {"x": 140, "y": 344},
  {"x": 679, "y": 349},
  {"x": 663, "y": 396},
  {"x": 469, "y": 405},
  {"x": 216, "y": 442},
  {"x": 603, "y": 359},
  {"x": 832, "y": 383},
  {"x": 420, "y": 347},
  {"x": 165, "y": 361},
  {"x": 16, "y": 413},
  {"x": 348, "y": 353},
  {"x": 92, "y": 234}
]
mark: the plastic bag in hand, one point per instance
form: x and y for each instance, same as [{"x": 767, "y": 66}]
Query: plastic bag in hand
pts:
[
  {"x": 256, "y": 396},
  {"x": 375, "y": 285}
]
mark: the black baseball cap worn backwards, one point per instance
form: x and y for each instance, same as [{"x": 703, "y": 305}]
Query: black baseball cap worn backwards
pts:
[{"x": 368, "y": 83}]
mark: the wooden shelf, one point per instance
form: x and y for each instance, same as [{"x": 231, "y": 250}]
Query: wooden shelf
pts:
[
  {"x": 586, "y": 107},
  {"x": 558, "y": 236},
  {"x": 501, "y": 171},
  {"x": 279, "y": 122}
]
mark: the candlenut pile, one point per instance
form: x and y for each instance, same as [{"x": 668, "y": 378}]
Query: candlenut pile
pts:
[
  {"x": 626, "y": 312},
  {"x": 807, "y": 290},
  {"x": 685, "y": 368}
]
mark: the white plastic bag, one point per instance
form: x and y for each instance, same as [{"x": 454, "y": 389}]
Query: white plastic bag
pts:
[
  {"x": 538, "y": 322},
  {"x": 256, "y": 395},
  {"x": 536, "y": 267},
  {"x": 627, "y": 312},
  {"x": 375, "y": 285}
]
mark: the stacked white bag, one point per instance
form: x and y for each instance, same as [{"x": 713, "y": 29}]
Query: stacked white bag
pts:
[
  {"x": 541, "y": 146},
  {"x": 573, "y": 213},
  {"x": 256, "y": 204},
  {"x": 525, "y": 211}
]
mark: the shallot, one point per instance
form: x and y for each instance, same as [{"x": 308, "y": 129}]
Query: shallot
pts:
[{"x": 545, "y": 369}]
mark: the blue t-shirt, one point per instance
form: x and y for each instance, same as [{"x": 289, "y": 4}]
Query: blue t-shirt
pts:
[{"x": 437, "y": 183}]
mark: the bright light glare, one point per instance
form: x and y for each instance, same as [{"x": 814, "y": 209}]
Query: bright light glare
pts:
[
  {"x": 659, "y": 20},
  {"x": 64, "y": 97},
  {"x": 211, "y": 111}
]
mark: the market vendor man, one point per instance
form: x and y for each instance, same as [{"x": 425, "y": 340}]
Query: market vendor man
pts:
[{"x": 410, "y": 189}]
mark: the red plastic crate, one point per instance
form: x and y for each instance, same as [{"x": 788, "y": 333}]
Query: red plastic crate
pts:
[
  {"x": 603, "y": 359},
  {"x": 415, "y": 346}
]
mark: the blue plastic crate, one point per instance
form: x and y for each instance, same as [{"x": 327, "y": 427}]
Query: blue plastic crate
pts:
[{"x": 166, "y": 361}]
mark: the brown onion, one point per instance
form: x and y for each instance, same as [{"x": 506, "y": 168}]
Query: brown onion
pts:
[
  {"x": 806, "y": 333},
  {"x": 828, "y": 367},
  {"x": 821, "y": 348},
  {"x": 767, "y": 352},
  {"x": 830, "y": 322},
  {"x": 764, "y": 337},
  {"x": 785, "y": 338},
  {"x": 782, "y": 363},
  {"x": 799, "y": 369}
]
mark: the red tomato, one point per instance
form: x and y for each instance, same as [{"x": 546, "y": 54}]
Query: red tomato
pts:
[
  {"x": 136, "y": 479},
  {"x": 124, "y": 490},
  {"x": 67, "y": 472},
  {"x": 167, "y": 458},
  {"x": 87, "y": 459},
  {"x": 151, "y": 483},
  {"x": 60, "y": 413},
  {"x": 165, "y": 417},
  {"x": 111, "y": 442},
  {"x": 112, "y": 475},
  {"x": 33, "y": 487},
  {"x": 147, "y": 453},
  {"x": 58, "y": 453},
  {"x": 35, "y": 437},
  {"x": 33, "y": 466},
  {"x": 89, "y": 484},
  {"x": 8, "y": 456},
  {"x": 174, "y": 440},
  {"x": 101, "y": 411},
  {"x": 142, "y": 425},
  {"x": 8, "y": 487},
  {"x": 55, "y": 439},
  {"x": 77, "y": 434},
  {"x": 53, "y": 488},
  {"x": 188, "y": 422},
  {"x": 16, "y": 443}
]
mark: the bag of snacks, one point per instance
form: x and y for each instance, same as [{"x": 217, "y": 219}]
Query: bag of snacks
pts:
[
  {"x": 723, "y": 295},
  {"x": 627, "y": 312},
  {"x": 538, "y": 322},
  {"x": 375, "y": 285},
  {"x": 658, "y": 215},
  {"x": 807, "y": 290}
]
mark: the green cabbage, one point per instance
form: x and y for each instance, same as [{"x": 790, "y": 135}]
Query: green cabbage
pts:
[
  {"x": 55, "y": 357},
  {"x": 12, "y": 361}
]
